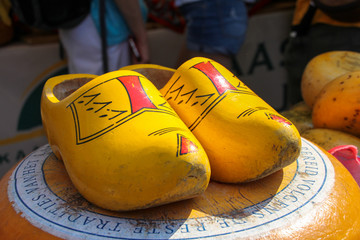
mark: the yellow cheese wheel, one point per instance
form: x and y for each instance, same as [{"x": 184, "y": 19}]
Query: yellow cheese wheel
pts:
[
  {"x": 338, "y": 105},
  {"x": 324, "y": 68},
  {"x": 330, "y": 138},
  {"x": 313, "y": 198}
]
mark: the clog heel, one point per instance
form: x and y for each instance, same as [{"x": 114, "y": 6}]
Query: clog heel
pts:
[
  {"x": 122, "y": 145},
  {"x": 243, "y": 136}
]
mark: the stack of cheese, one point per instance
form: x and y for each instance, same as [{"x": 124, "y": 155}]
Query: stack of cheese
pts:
[{"x": 330, "y": 113}]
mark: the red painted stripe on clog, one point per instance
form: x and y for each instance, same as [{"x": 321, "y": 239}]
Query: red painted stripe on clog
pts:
[{"x": 137, "y": 95}]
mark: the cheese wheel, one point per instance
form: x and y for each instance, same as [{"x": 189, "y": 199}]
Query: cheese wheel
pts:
[
  {"x": 330, "y": 138},
  {"x": 337, "y": 105},
  {"x": 323, "y": 68},
  {"x": 313, "y": 198}
]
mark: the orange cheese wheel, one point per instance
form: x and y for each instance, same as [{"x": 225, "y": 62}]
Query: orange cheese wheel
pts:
[
  {"x": 324, "y": 68},
  {"x": 313, "y": 198}
]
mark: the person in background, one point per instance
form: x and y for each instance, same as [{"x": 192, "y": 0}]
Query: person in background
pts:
[
  {"x": 319, "y": 26},
  {"x": 214, "y": 29},
  {"x": 123, "y": 19}
]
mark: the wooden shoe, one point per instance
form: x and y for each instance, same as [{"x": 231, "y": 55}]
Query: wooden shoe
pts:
[
  {"x": 244, "y": 137},
  {"x": 157, "y": 74},
  {"x": 122, "y": 145}
]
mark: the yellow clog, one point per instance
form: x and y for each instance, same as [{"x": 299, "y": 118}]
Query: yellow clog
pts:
[
  {"x": 123, "y": 146},
  {"x": 244, "y": 137},
  {"x": 157, "y": 74}
]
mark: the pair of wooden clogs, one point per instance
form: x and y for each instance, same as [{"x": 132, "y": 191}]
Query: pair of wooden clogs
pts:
[{"x": 147, "y": 135}]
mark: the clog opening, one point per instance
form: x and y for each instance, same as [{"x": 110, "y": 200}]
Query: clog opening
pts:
[
  {"x": 66, "y": 88},
  {"x": 159, "y": 77}
]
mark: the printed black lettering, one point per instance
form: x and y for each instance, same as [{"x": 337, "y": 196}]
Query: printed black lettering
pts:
[
  {"x": 184, "y": 228},
  {"x": 290, "y": 198},
  {"x": 223, "y": 223},
  {"x": 311, "y": 182},
  {"x": 28, "y": 179},
  {"x": 303, "y": 187},
  {"x": 306, "y": 153},
  {"x": 32, "y": 161},
  {"x": 238, "y": 221},
  {"x": 201, "y": 228},
  {"x": 169, "y": 229},
  {"x": 295, "y": 191},
  {"x": 261, "y": 58},
  {"x": 311, "y": 167},
  {"x": 154, "y": 231},
  {"x": 54, "y": 211},
  {"x": 138, "y": 230},
  {"x": 30, "y": 171},
  {"x": 33, "y": 184},
  {"x": 282, "y": 204},
  {"x": 38, "y": 197},
  {"x": 62, "y": 214},
  {"x": 45, "y": 201},
  {"x": 28, "y": 191},
  {"x": 4, "y": 158},
  {"x": 258, "y": 214},
  {"x": 115, "y": 229},
  {"x": 311, "y": 163},
  {"x": 74, "y": 218},
  {"x": 88, "y": 220},
  {"x": 306, "y": 158},
  {"x": 45, "y": 208},
  {"x": 311, "y": 172},
  {"x": 102, "y": 224},
  {"x": 270, "y": 209},
  {"x": 29, "y": 165}
]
